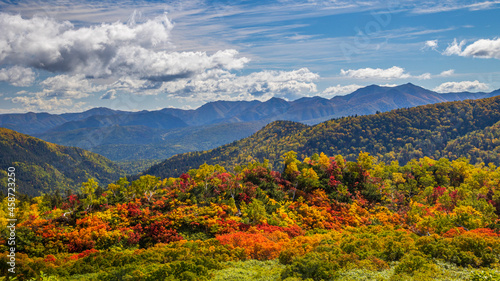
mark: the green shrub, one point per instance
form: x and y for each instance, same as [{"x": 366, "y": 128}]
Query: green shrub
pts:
[
  {"x": 313, "y": 265},
  {"x": 412, "y": 262}
]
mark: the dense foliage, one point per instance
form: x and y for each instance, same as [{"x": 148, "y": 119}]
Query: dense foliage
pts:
[
  {"x": 402, "y": 134},
  {"x": 322, "y": 218},
  {"x": 478, "y": 146},
  {"x": 45, "y": 167}
]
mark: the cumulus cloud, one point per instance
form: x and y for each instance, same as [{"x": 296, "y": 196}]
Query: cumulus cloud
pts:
[
  {"x": 341, "y": 90},
  {"x": 463, "y": 86},
  {"x": 454, "y": 48},
  {"x": 394, "y": 72},
  {"x": 17, "y": 76},
  {"x": 431, "y": 44},
  {"x": 69, "y": 86},
  {"x": 108, "y": 49},
  {"x": 58, "y": 94},
  {"x": 483, "y": 48},
  {"x": 221, "y": 84}
]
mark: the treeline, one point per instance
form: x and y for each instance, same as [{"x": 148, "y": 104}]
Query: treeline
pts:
[
  {"x": 401, "y": 134},
  {"x": 322, "y": 218}
]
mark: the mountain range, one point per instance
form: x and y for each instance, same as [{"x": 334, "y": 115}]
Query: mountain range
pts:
[{"x": 122, "y": 135}]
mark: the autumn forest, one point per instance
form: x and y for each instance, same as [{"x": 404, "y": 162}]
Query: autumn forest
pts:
[{"x": 322, "y": 218}]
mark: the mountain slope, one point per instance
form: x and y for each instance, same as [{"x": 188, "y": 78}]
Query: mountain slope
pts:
[
  {"x": 477, "y": 146},
  {"x": 400, "y": 134},
  {"x": 42, "y": 166}
]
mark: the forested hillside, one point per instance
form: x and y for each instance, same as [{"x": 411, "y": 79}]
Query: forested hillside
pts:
[
  {"x": 477, "y": 146},
  {"x": 400, "y": 134},
  {"x": 46, "y": 167}
]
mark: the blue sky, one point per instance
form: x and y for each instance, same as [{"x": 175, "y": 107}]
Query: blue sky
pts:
[{"x": 67, "y": 56}]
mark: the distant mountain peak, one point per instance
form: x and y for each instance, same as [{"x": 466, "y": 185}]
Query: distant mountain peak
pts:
[
  {"x": 372, "y": 86},
  {"x": 410, "y": 86},
  {"x": 368, "y": 90},
  {"x": 99, "y": 109},
  {"x": 276, "y": 100}
]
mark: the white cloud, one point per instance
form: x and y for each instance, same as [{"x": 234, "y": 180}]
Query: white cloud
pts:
[
  {"x": 105, "y": 50},
  {"x": 454, "y": 48},
  {"x": 341, "y": 90},
  {"x": 431, "y": 44},
  {"x": 137, "y": 86},
  {"x": 463, "y": 86},
  {"x": 221, "y": 84},
  {"x": 394, "y": 72},
  {"x": 163, "y": 66},
  {"x": 39, "y": 102},
  {"x": 424, "y": 76},
  {"x": 483, "y": 48},
  {"x": 17, "y": 76},
  {"x": 58, "y": 94},
  {"x": 364, "y": 73},
  {"x": 75, "y": 86},
  {"x": 447, "y": 73}
]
